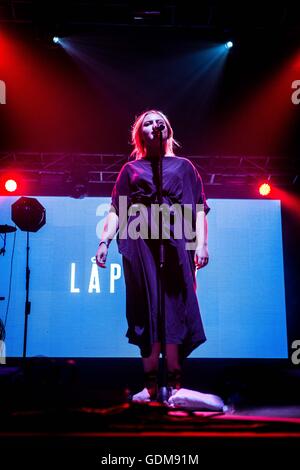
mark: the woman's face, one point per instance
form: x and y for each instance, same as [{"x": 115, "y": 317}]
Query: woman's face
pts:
[{"x": 150, "y": 136}]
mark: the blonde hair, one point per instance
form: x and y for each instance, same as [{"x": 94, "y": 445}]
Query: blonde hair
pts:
[{"x": 139, "y": 150}]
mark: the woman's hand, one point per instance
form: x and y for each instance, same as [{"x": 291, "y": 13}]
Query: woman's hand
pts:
[
  {"x": 101, "y": 255},
  {"x": 201, "y": 257}
]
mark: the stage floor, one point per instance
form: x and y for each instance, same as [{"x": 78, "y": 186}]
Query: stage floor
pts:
[{"x": 50, "y": 410}]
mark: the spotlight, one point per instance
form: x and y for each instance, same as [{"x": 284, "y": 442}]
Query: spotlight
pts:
[
  {"x": 55, "y": 39},
  {"x": 264, "y": 189},
  {"x": 229, "y": 44},
  {"x": 10, "y": 185}
]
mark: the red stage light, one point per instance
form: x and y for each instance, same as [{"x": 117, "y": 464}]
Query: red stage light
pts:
[
  {"x": 10, "y": 185},
  {"x": 264, "y": 189}
]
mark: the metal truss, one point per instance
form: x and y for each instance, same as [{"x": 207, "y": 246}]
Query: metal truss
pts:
[{"x": 103, "y": 168}]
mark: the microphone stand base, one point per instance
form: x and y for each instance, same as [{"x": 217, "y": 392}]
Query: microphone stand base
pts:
[{"x": 164, "y": 394}]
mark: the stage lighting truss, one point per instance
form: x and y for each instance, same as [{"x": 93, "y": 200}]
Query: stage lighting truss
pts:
[{"x": 51, "y": 171}]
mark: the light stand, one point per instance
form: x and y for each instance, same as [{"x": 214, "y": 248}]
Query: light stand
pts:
[{"x": 29, "y": 215}]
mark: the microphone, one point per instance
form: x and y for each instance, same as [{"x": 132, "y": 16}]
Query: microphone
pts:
[{"x": 159, "y": 128}]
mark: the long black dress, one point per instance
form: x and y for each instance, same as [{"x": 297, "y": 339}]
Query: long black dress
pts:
[{"x": 182, "y": 185}]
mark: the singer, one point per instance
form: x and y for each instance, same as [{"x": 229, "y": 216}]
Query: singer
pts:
[{"x": 182, "y": 185}]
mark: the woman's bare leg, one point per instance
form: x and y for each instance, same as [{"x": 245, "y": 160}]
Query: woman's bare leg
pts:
[
  {"x": 151, "y": 362},
  {"x": 173, "y": 365},
  {"x": 150, "y": 365}
]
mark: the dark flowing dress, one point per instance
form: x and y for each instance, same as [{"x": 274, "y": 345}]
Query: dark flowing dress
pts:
[{"x": 182, "y": 187}]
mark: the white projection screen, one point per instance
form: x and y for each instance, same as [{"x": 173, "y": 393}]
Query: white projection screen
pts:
[{"x": 78, "y": 309}]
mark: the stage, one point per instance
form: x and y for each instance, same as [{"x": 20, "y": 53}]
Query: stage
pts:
[{"x": 76, "y": 410}]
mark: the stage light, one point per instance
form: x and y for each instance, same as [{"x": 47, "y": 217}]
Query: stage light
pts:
[
  {"x": 10, "y": 185},
  {"x": 264, "y": 189},
  {"x": 55, "y": 40},
  {"x": 229, "y": 44}
]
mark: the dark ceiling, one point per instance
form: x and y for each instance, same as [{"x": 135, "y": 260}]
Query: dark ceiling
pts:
[{"x": 65, "y": 16}]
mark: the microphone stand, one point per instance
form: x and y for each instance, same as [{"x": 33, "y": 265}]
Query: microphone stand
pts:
[{"x": 163, "y": 393}]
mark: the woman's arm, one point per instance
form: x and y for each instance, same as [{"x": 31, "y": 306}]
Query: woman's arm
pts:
[
  {"x": 110, "y": 229},
  {"x": 111, "y": 226},
  {"x": 201, "y": 253}
]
